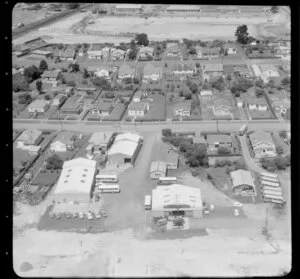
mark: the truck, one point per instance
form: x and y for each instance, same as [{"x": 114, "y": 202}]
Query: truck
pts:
[{"x": 243, "y": 130}]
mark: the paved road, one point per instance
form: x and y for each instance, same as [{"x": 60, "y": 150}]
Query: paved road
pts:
[
  {"x": 247, "y": 157},
  {"x": 183, "y": 126}
]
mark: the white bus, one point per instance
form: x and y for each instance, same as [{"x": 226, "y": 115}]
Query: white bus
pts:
[
  {"x": 109, "y": 188},
  {"x": 272, "y": 179},
  {"x": 269, "y": 183},
  {"x": 147, "y": 202},
  {"x": 274, "y": 199},
  {"x": 265, "y": 188},
  {"x": 166, "y": 180},
  {"x": 267, "y": 174},
  {"x": 270, "y": 192},
  {"x": 106, "y": 178},
  {"x": 243, "y": 130}
]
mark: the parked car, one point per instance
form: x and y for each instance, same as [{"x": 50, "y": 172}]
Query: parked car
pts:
[
  {"x": 75, "y": 215},
  {"x": 162, "y": 222},
  {"x": 90, "y": 216},
  {"x": 104, "y": 214},
  {"x": 236, "y": 212},
  {"x": 98, "y": 216},
  {"x": 57, "y": 216},
  {"x": 68, "y": 215}
]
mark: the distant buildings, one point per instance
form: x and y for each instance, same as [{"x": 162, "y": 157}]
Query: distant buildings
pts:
[
  {"x": 128, "y": 8},
  {"x": 191, "y": 9}
]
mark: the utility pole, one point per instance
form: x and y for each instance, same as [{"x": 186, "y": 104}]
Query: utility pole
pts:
[
  {"x": 218, "y": 126},
  {"x": 60, "y": 121}
]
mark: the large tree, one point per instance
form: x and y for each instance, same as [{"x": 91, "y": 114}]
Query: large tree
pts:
[
  {"x": 20, "y": 84},
  {"x": 25, "y": 99},
  {"x": 43, "y": 66},
  {"x": 241, "y": 34},
  {"x": 39, "y": 86},
  {"x": 274, "y": 9},
  {"x": 142, "y": 39},
  {"x": 54, "y": 162},
  {"x": 31, "y": 73}
]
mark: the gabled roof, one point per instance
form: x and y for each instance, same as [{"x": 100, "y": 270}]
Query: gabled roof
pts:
[
  {"x": 241, "y": 177},
  {"x": 38, "y": 104},
  {"x": 51, "y": 74},
  {"x": 218, "y": 67},
  {"x": 100, "y": 137},
  {"x": 103, "y": 106},
  {"x": 95, "y": 47},
  {"x": 180, "y": 67},
  {"x": 259, "y": 137},
  {"x": 267, "y": 67},
  {"x": 137, "y": 106},
  {"x": 146, "y": 49},
  {"x": 219, "y": 103},
  {"x": 150, "y": 69},
  {"x": 29, "y": 136},
  {"x": 158, "y": 166},
  {"x": 187, "y": 105},
  {"x": 125, "y": 70},
  {"x": 65, "y": 137},
  {"x": 212, "y": 139}
]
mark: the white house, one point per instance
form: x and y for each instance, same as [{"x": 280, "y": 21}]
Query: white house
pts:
[
  {"x": 206, "y": 93},
  {"x": 138, "y": 109},
  {"x": 183, "y": 108},
  {"x": 152, "y": 73},
  {"x": 137, "y": 96},
  {"x": 94, "y": 52},
  {"x": 38, "y": 106},
  {"x": 102, "y": 72}
]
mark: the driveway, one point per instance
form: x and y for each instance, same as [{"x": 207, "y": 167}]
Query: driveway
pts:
[{"x": 248, "y": 159}]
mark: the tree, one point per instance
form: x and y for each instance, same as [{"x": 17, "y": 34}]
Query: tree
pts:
[
  {"x": 47, "y": 97},
  {"x": 142, "y": 39},
  {"x": 283, "y": 134},
  {"x": 274, "y": 9},
  {"x": 188, "y": 43},
  {"x": 54, "y": 162},
  {"x": 192, "y": 51},
  {"x": 279, "y": 149},
  {"x": 74, "y": 67},
  {"x": 132, "y": 44},
  {"x": 241, "y": 34},
  {"x": 205, "y": 86},
  {"x": 85, "y": 74},
  {"x": 194, "y": 88},
  {"x": 188, "y": 95},
  {"x": 20, "y": 84},
  {"x": 136, "y": 80},
  {"x": 127, "y": 80},
  {"x": 259, "y": 92},
  {"x": 286, "y": 81},
  {"x": 25, "y": 99},
  {"x": 43, "y": 66},
  {"x": 71, "y": 83},
  {"x": 100, "y": 81},
  {"x": 61, "y": 46},
  {"x": 132, "y": 54},
  {"x": 39, "y": 86},
  {"x": 31, "y": 73},
  {"x": 218, "y": 84},
  {"x": 166, "y": 132},
  {"x": 109, "y": 95},
  {"x": 259, "y": 83},
  {"x": 223, "y": 150},
  {"x": 178, "y": 222}
]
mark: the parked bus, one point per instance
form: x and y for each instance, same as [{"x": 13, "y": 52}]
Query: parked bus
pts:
[
  {"x": 267, "y": 174},
  {"x": 106, "y": 178},
  {"x": 266, "y": 188},
  {"x": 269, "y": 183},
  {"x": 274, "y": 199},
  {"x": 147, "y": 202},
  {"x": 166, "y": 180},
  {"x": 271, "y": 179},
  {"x": 271, "y": 192},
  {"x": 109, "y": 188},
  {"x": 243, "y": 130}
]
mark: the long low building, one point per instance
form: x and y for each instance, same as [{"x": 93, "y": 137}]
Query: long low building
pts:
[
  {"x": 124, "y": 149},
  {"x": 176, "y": 199},
  {"x": 183, "y": 9},
  {"x": 76, "y": 181},
  {"x": 242, "y": 182},
  {"x": 128, "y": 8}
]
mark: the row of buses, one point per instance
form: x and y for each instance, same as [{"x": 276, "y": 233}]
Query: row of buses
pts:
[
  {"x": 107, "y": 183},
  {"x": 271, "y": 189}
]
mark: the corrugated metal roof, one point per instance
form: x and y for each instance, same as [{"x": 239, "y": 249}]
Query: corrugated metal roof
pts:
[
  {"x": 241, "y": 177},
  {"x": 158, "y": 166},
  {"x": 100, "y": 137},
  {"x": 259, "y": 137}
]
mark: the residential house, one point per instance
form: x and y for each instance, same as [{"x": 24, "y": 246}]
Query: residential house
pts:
[
  {"x": 151, "y": 73},
  {"x": 158, "y": 169},
  {"x": 29, "y": 137},
  {"x": 51, "y": 77},
  {"x": 182, "y": 69},
  {"x": 58, "y": 100},
  {"x": 206, "y": 93},
  {"x": 207, "y": 52},
  {"x": 125, "y": 71},
  {"x": 199, "y": 138},
  {"x": 68, "y": 54},
  {"x": 239, "y": 102},
  {"x": 221, "y": 107},
  {"x": 230, "y": 49},
  {"x": 38, "y": 106},
  {"x": 42, "y": 53},
  {"x": 146, "y": 52},
  {"x": 244, "y": 72},
  {"x": 137, "y": 96},
  {"x": 102, "y": 108},
  {"x": 268, "y": 71},
  {"x": 173, "y": 50},
  {"x": 138, "y": 109},
  {"x": 262, "y": 144},
  {"x": 169, "y": 156},
  {"x": 214, "y": 141},
  {"x": 212, "y": 70},
  {"x": 183, "y": 108},
  {"x": 21, "y": 50},
  {"x": 281, "y": 106},
  {"x": 254, "y": 103},
  {"x": 95, "y": 51},
  {"x": 242, "y": 182},
  {"x": 71, "y": 106},
  {"x": 117, "y": 54},
  {"x": 102, "y": 72},
  {"x": 64, "y": 142},
  {"x": 81, "y": 52},
  {"x": 101, "y": 141}
]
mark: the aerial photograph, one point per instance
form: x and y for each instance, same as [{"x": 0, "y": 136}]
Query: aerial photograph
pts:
[{"x": 151, "y": 140}]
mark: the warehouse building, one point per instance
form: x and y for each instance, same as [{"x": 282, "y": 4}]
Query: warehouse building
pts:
[
  {"x": 124, "y": 149},
  {"x": 183, "y": 9},
  {"x": 158, "y": 169},
  {"x": 128, "y": 8},
  {"x": 75, "y": 182},
  {"x": 176, "y": 199},
  {"x": 242, "y": 182}
]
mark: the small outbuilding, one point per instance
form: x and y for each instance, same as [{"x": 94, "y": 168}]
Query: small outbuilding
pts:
[
  {"x": 242, "y": 182},
  {"x": 158, "y": 169}
]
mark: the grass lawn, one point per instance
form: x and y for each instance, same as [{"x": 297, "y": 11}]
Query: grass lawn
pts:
[
  {"x": 46, "y": 177},
  {"x": 19, "y": 155},
  {"x": 255, "y": 114},
  {"x": 117, "y": 113}
]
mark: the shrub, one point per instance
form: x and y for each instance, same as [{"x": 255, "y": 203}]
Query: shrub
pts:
[
  {"x": 166, "y": 132},
  {"x": 71, "y": 83}
]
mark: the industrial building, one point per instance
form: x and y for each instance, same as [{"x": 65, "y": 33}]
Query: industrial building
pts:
[
  {"x": 176, "y": 199},
  {"x": 183, "y": 9},
  {"x": 242, "y": 182},
  {"x": 124, "y": 149},
  {"x": 158, "y": 169},
  {"x": 102, "y": 139},
  {"x": 128, "y": 8},
  {"x": 75, "y": 182}
]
